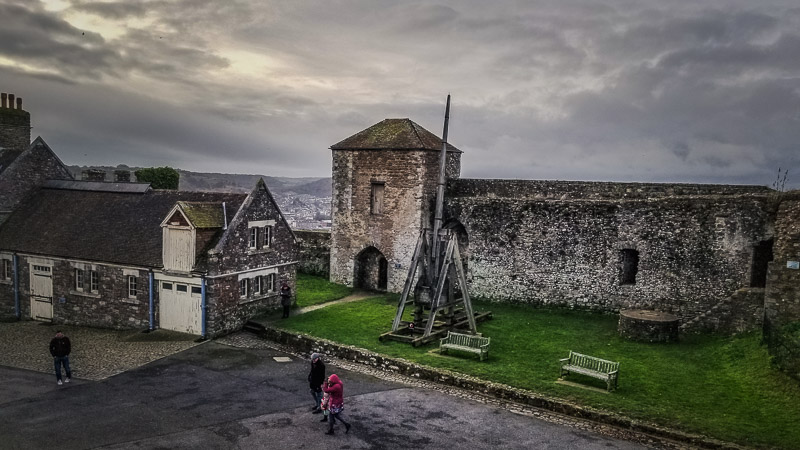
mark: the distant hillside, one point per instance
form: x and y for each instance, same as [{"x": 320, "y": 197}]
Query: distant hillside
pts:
[{"x": 229, "y": 182}]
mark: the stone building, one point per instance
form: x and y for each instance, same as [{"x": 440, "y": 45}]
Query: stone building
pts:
[
  {"x": 122, "y": 255},
  {"x": 23, "y": 165},
  {"x": 384, "y": 181},
  {"x": 126, "y": 256},
  {"x": 701, "y": 252}
]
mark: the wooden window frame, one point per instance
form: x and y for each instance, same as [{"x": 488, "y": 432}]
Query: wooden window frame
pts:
[
  {"x": 267, "y": 237},
  {"x": 270, "y": 282},
  {"x": 243, "y": 288},
  {"x": 94, "y": 281},
  {"x": 376, "y": 207},
  {"x": 79, "y": 282},
  {"x": 133, "y": 286},
  {"x": 252, "y": 241},
  {"x": 7, "y": 269}
]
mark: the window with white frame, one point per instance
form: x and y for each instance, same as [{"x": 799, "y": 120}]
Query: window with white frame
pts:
[
  {"x": 197, "y": 291},
  {"x": 253, "y": 238},
  {"x": 269, "y": 283},
  {"x": 78, "y": 279},
  {"x": 94, "y": 281},
  {"x": 6, "y": 269},
  {"x": 133, "y": 288},
  {"x": 243, "y": 287},
  {"x": 267, "y": 236},
  {"x": 256, "y": 285}
]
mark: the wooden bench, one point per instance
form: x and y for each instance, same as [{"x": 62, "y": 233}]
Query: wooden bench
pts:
[
  {"x": 591, "y": 366},
  {"x": 465, "y": 343}
]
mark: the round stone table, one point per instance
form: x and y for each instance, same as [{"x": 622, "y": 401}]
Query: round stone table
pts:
[{"x": 648, "y": 326}]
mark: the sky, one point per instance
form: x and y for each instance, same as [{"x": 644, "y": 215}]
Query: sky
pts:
[{"x": 647, "y": 91}]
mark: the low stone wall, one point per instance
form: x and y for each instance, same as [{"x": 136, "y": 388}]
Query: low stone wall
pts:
[
  {"x": 304, "y": 344},
  {"x": 314, "y": 252}
]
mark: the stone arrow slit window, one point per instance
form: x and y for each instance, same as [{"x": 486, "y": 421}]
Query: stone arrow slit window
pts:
[{"x": 629, "y": 266}]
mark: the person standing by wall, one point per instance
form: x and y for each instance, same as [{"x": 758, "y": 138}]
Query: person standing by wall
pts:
[
  {"x": 286, "y": 300},
  {"x": 60, "y": 348},
  {"x": 315, "y": 379},
  {"x": 336, "y": 406}
]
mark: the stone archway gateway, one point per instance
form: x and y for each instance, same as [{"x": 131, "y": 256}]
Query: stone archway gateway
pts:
[{"x": 371, "y": 270}]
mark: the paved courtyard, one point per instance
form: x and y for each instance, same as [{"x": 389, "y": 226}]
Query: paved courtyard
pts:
[
  {"x": 96, "y": 353},
  {"x": 233, "y": 393}
]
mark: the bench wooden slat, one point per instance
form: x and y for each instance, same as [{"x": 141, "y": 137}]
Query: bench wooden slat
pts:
[
  {"x": 591, "y": 366},
  {"x": 465, "y": 342}
]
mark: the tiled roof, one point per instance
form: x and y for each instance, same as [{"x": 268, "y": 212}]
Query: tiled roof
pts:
[
  {"x": 97, "y": 186},
  {"x": 113, "y": 227},
  {"x": 7, "y": 156},
  {"x": 397, "y": 134},
  {"x": 203, "y": 214}
]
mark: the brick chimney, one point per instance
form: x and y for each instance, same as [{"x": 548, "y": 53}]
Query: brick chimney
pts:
[
  {"x": 15, "y": 123},
  {"x": 122, "y": 176},
  {"x": 93, "y": 175}
]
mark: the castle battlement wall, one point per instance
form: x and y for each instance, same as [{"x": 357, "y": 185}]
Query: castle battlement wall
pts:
[{"x": 592, "y": 190}]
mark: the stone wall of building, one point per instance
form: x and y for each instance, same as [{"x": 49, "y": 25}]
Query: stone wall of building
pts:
[
  {"x": 314, "y": 252},
  {"x": 108, "y": 306},
  {"x": 229, "y": 312},
  {"x": 564, "y": 243},
  {"x": 29, "y": 171},
  {"x": 410, "y": 178},
  {"x": 782, "y": 299},
  {"x": 227, "y": 309}
]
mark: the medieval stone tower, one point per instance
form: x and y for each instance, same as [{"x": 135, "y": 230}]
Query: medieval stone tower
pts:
[
  {"x": 15, "y": 124},
  {"x": 384, "y": 187}
]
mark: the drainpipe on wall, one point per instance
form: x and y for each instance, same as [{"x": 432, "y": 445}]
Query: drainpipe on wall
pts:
[
  {"x": 17, "y": 310},
  {"x": 203, "y": 307},
  {"x": 152, "y": 312}
]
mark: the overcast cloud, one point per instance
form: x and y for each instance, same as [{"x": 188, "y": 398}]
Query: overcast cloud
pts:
[{"x": 582, "y": 90}]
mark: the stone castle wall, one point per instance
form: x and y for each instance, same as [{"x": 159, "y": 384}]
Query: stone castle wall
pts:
[
  {"x": 314, "y": 251},
  {"x": 562, "y": 243},
  {"x": 782, "y": 298}
]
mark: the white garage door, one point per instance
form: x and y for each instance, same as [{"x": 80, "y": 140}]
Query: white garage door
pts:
[{"x": 180, "y": 307}]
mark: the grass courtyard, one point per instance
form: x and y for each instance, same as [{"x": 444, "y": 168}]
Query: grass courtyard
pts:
[{"x": 721, "y": 387}]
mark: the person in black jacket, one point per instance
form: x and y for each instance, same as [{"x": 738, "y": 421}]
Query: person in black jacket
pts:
[
  {"x": 315, "y": 379},
  {"x": 286, "y": 300},
  {"x": 60, "y": 348}
]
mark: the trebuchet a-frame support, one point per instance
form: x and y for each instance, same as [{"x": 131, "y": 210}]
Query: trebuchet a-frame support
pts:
[{"x": 436, "y": 274}]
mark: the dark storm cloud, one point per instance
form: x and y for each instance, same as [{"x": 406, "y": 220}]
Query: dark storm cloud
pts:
[
  {"x": 586, "y": 89},
  {"x": 42, "y": 40}
]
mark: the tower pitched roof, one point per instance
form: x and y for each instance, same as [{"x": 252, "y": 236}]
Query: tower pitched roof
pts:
[{"x": 396, "y": 134}]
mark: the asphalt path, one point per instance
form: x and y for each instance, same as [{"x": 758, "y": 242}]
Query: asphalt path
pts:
[{"x": 215, "y": 396}]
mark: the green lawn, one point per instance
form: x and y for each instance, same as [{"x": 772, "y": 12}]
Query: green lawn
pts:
[
  {"x": 313, "y": 290},
  {"x": 716, "y": 386}
]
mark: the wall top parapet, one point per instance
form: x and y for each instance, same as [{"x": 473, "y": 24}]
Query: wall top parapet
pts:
[{"x": 594, "y": 190}]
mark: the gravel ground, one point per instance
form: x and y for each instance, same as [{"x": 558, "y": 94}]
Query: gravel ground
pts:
[{"x": 96, "y": 353}]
